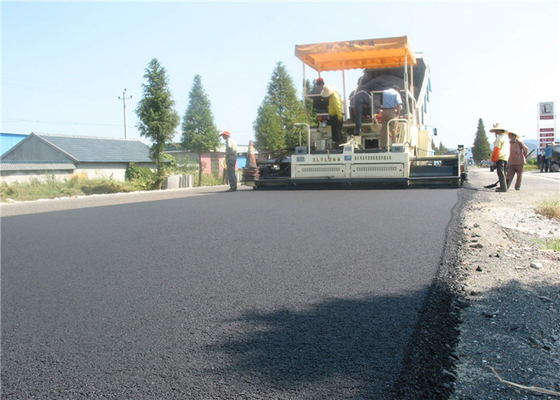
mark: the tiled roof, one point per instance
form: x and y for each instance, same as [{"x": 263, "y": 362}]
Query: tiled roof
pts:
[
  {"x": 95, "y": 149},
  {"x": 35, "y": 166}
]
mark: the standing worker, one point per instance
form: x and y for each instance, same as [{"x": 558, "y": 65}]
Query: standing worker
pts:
[
  {"x": 335, "y": 112},
  {"x": 517, "y": 159},
  {"x": 231, "y": 160},
  {"x": 501, "y": 155},
  {"x": 392, "y": 106},
  {"x": 547, "y": 157},
  {"x": 542, "y": 160},
  {"x": 362, "y": 103}
]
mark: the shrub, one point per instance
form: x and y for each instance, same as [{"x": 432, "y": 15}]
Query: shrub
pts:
[
  {"x": 208, "y": 180},
  {"x": 184, "y": 165},
  {"x": 141, "y": 178},
  {"x": 6, "y": 191}
]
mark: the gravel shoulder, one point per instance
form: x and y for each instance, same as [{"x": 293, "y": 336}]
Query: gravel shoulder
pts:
[{"x": 510, "y": 291}]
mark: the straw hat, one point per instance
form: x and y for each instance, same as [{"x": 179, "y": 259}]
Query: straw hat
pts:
[
  {"x": 513, "y": 133},
  {"x": 498, "y": 127},
  {"x": 327, "y": 91}
]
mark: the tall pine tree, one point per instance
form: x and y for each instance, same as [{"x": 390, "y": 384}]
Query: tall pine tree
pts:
[
  {"x": 481, "y": 147},
  {"x": 268, "y": 129},
  {"x": 280, "y": 109},
  {"x": 200, "y": 134},
  {"x": 157, "y": 118}
]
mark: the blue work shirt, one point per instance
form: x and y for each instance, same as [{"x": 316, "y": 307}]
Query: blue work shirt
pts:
[{"x": 391, "y": 98}]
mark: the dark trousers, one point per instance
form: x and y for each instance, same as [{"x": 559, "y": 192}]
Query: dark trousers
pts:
[
  {"x": 501, "y": 168},
  {"x": 336, "y": 126},
  {"x": 362, "y": 103},
  {"x": 232, "y": 178}
]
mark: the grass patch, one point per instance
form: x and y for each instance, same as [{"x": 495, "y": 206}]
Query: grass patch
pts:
[
  {"x": 531, "y": 167},
  {"x": 551, "y": 244},
  {"x": 50, "y": 188},
  {"x": 106, "y": 186},
  {"x": 36, "y": 189},
  {"x": 549, "y": 208}
]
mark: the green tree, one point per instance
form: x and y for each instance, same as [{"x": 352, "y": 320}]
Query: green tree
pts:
[
  {"x": 158, "y": 119},
  {"x": 200, "y": 134},
  {"x": 281, "y": 100},
  {"x": 481, "y": 147},
  {"x": 442, "y": 149},
  {"x": 269, "y": 135}
]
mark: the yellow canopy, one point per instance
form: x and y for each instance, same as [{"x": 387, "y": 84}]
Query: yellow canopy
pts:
[{"x": 369, "y": 53}]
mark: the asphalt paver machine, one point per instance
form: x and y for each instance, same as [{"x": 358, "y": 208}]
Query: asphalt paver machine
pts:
[{"x": 408, "y": 158}]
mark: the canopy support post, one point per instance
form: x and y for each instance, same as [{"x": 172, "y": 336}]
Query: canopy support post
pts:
[{"x": 346, "y": 114}]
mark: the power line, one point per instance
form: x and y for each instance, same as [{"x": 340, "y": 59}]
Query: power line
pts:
[{"x": 15, "y": 121}]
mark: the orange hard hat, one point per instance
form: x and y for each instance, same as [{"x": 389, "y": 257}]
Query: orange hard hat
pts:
[{"x": 225, "y": 133}]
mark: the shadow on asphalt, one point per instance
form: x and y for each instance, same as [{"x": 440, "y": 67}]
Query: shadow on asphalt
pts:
[
  {"x": 341, "y": 348},
  {"x": 357, "y": 348}
]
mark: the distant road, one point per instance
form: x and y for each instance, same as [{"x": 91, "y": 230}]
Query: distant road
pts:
[{"x": 207, "y": 295}]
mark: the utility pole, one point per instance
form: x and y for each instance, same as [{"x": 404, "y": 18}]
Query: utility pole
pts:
[{"x": 123, "y": 98}]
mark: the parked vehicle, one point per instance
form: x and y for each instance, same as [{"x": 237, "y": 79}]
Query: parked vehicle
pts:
[{"x": 555, "y": 158}]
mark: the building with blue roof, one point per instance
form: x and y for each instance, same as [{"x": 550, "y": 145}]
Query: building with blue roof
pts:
[{"x": 9, "y": 140}]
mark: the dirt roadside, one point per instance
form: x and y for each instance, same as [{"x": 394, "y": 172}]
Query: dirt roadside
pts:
[{"x": 510, "y": 317}]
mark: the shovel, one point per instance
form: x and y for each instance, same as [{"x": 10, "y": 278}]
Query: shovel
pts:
[{"x": 492, "y": 185}]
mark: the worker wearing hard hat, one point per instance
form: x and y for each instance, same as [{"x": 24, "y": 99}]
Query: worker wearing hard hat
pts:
[
  {"x": 231, "y": 160},
  {"x": 320, "y": 104}
]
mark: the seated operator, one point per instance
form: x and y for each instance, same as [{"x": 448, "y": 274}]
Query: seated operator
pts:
[{"x": 320, "y": 104}]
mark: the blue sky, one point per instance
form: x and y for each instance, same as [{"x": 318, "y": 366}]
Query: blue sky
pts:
[{"x": 64, "y": 64}]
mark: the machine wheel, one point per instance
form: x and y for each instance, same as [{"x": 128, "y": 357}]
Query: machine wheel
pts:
[{"x": 555, "y": 167}]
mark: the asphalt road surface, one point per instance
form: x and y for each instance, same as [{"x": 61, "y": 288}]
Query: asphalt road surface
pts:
[{"x": 208, "y": 295}]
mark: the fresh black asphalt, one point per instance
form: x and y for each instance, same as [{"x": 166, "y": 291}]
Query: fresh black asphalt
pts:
[{"x": 246, "y": 295}]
